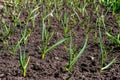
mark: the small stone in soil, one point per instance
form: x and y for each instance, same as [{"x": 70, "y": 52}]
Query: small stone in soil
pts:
[{"x": 2, "y": 75}]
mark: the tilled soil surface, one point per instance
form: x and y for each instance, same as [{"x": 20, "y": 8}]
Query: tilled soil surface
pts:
[{"x": 52, "y": 67}]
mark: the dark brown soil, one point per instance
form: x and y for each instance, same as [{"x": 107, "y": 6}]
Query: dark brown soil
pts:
[{"x": 52, "y": 67}]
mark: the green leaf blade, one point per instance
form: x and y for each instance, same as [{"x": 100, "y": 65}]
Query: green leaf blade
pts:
[
  {"x": 108, "y": 65},
  {"x": 56, "y": 44},
  {"x": 80, "y": 53}
]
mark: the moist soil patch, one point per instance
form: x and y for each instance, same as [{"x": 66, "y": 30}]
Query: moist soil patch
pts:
[{"x": 52, "y": 67}]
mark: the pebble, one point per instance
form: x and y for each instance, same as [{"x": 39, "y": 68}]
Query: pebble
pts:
[
  {"x": 57, "y": 58},
  {"x": 2, "y": 75}
]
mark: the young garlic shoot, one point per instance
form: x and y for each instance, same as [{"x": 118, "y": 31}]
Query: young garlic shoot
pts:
[
  {"x": 104, "y": 54},
  {"x": 24, "y": 60},
  {"x": 73, "y": 59},
  {"x": 46, "y": 37}
]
